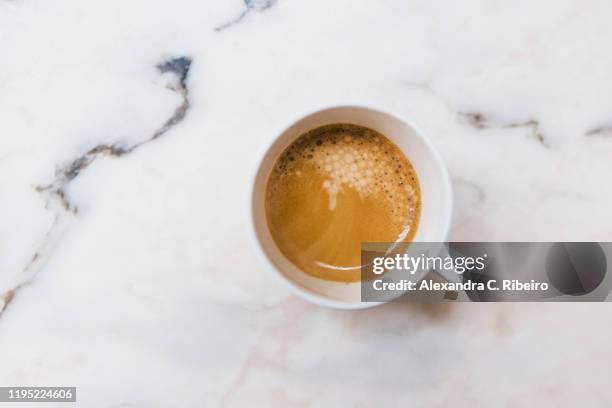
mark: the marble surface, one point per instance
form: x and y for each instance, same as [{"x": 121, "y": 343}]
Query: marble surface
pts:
[{"x": 131, "y": 131}]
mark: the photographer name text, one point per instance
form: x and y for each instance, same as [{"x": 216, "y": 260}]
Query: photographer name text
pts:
[{"x": 468, "y": 285}]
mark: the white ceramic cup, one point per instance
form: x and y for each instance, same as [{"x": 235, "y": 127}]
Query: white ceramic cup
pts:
[{"x": 436, "y": 197}]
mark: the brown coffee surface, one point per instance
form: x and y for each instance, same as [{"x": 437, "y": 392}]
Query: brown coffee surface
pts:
[{"x": 335, "y": 187}]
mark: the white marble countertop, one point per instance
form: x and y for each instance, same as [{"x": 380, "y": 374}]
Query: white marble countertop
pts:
[{"x": 130, "y": 133}]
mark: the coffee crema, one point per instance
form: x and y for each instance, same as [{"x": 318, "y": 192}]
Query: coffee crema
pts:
[{"x": 335, "y": 187}]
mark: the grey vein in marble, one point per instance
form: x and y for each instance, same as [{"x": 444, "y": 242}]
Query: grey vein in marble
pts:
[
  {"x": 479, "y": 193},
  {"x": 54, "y": 193},
  {"x": 249, "y": 6},
  {"x": 178, "y": 66},
  {"x": 601, "y": 131},
  {"x": 479, "y": 121}
]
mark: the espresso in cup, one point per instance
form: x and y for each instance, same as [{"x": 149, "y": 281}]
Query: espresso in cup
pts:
[{"x": 335, "y": 187}]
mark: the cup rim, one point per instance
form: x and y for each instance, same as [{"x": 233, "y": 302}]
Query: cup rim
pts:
[{"x": 298, "y": 290}]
